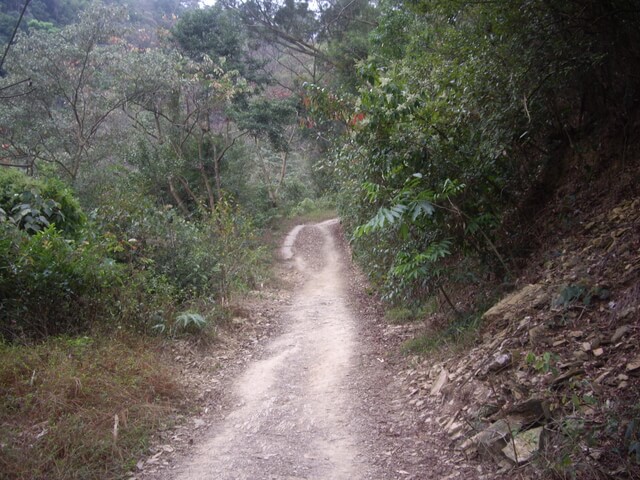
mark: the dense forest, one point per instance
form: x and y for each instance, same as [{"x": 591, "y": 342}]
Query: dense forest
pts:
[{"x": 146, "y": 146}]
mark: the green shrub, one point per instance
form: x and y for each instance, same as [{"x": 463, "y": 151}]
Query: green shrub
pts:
[
  {"x": 33, "y": 203},
  {"x": 50, "y": 284},
  {"x": 210, "y": 256},
  {"x": 404, "y": 314},
  {"x": 186, "y": 323},
  {"x": 145, "y": 300}
]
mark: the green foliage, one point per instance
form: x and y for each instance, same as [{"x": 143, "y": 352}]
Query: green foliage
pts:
[
  {"x": 320, "y": 206},
  {"x": 33, "y": 204},
  {"x": 422, "y": 344},
  {"x": 346, "y": 27},
  {"x": 33, "y": 214},
  {"x": 460, "y": 331},
  {"x": 579, "y": 292},
  {"x": 50, "y": 284},
  {"x": 404, "y": 314},
  {"x": 241, "y": 257},
  {"x": 213, "y": 254},
  {"x": 267, "y": 119},
  {"x": 545, "y": 363},
  {"x": 461, "y": 109},
  {"x": 59, "y": 275},
  {"x": 186, "y": 323},
  {"x": 217, "y": 32},
  {"x": 632, "y": 439},
  {"x": 190, "y": 322},
  {"x": 414, "y": 267},
  {"x": 213, "y": 31},
  {"x": 41, "y": 15},
  {"x": 65, "y": 87},
  {"x": 39, "y": 25}
]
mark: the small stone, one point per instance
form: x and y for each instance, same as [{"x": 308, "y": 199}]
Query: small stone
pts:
[
  {"x": 493, "y": 437},
  {"x": 440, "y": 382},
  {"x": 500, "y": 362},
  {"x": 524, "y": 322},
  {"x": 602, "y": 376},
  {"x": 634, "y": 364},
  {"x": 619, "y": 333},
  {"x": 596, "y": 454},
  {"x": 598, "y": 352},
  {"x": 504, "y": 465},
  {"x": 586, "y": 346},
  {"x": 576, "y": 334},
  {"x": 456, "y": 427},
  {"x": 523, "y": 446}
]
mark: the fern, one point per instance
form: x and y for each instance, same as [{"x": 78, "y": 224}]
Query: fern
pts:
[
  {"x": 186, "y": 322},
  {"x": 189, "y": 322},
  {"x": 413, "y": 267},
  {"x": 409, "y": 204}
]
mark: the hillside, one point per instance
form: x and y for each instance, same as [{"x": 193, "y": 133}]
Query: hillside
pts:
[{"x": 551, "y": 382}]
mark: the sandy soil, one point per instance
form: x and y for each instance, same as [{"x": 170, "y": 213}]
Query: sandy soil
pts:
[{"x": 320, "y": 400}]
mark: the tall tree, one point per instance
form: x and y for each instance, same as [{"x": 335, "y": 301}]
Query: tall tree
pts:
[
  {"x": 217, "y": 32},
  {"x": 78, "y": 81},
  {"x": 187, "y": 131}
]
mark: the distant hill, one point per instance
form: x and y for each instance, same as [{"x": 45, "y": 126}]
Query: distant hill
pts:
[{"x": 52, "y": 14}]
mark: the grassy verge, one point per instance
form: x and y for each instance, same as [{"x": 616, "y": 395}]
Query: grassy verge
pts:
[{"x": 80, "y": 407}]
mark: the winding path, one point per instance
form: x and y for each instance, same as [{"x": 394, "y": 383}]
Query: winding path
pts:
[{"x": 294, "y": 417}]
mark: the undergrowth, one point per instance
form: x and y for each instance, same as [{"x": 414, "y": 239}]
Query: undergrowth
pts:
[
  {"x": 315, "y": 210},
  {"x": 458, "y": 334},
  {"x": 401, "y": 315},
  {"x": 80, "y": 407}
]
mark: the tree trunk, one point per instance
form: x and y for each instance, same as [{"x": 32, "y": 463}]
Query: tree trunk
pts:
[
  {"x": 207, "y": 184},
  {"x": 177, "y": 198}
]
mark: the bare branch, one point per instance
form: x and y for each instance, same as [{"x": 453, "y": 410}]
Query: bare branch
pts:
[{"x": 13, "y": 35}]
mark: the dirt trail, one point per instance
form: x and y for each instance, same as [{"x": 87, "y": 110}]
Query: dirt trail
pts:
[
  {"x": 293, "y": 417},
  {"x": 323, "y": 398}
]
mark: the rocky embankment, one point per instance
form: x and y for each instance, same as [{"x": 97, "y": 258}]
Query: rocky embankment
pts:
[{"x": 553, "y": 382}]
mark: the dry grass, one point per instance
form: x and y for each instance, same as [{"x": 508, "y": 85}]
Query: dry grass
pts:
[{"x": 59, "y": 401}]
